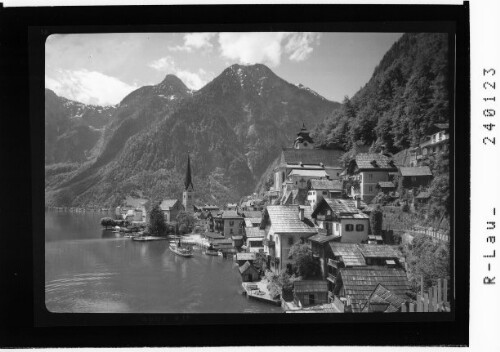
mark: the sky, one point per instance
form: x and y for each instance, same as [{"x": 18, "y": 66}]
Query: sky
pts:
[{"x": 101, "y": 69}]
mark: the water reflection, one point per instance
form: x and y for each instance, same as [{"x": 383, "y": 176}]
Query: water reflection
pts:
[{"x": 91, "y": 270}]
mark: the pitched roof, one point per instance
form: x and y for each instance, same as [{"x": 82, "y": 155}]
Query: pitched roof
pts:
[
  {"x": 249, "y": 222},
  {"x": 285, "y": 219},
  {"x": 231, "y": 214},
  {"x": 350, "y": 253},
  {"x": 308, "y": 173},
  {"x": 166, "y": 204},
  {"x": 245, "y": 256},
  {"x": 343, "y": 208},
  {"x": 246, "y": 266},
  {"x": 254, "y": 232},
  {"x": 327, "y": 184},
  {"x": 321, "y": 238},
  {"x": 386, "y": 184},
  {"x": 379, "y": 251},
  {"x": 359, "y": 283},
  {"x": 415, "y": 171},
  {"x": 305, "y": 286},
  {"x": 374, "y": 161},
  {"x": 213, "y": 235},
  {"x": 383, "y": 300},
  {"x": 443, "y": 126},
  {"x": 311, "y": 156},
  {"x": 252, "y": 214},
  {"x": 402, "y": 158}
]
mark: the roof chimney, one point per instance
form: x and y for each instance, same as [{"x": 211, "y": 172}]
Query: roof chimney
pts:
[
  {"x": 301, "y": 214},
  {"x": 357, "y": 202}
]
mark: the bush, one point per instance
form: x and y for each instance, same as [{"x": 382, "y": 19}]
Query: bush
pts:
[
  {"x": 376, "y": 221},
  {"x": 303, "y": 263},
  {"x": 157, "y": 225},
  {"x": 405, "y": 208}
]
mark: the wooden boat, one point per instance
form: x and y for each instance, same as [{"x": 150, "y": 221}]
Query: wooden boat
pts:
[
  {"x": 213, "y": 252},
  {"x": 183, "y": 252}
]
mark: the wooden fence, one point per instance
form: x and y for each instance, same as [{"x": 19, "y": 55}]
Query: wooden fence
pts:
[
  {"x": 434, "y": 300},
  {"x": 416, "y": 230}
]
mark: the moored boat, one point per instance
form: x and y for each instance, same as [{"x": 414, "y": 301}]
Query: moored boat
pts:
[
  {"x": 183, "y": 252},
  {"x": 213, "y": 252},
  {"x": 147, "y": 238}
]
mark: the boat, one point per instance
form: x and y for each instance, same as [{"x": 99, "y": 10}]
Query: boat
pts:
[
  {"x": 214, "y": 252},
  {"x": 183, "y": 252}
]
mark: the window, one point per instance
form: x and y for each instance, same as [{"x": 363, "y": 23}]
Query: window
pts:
[
  {"x": 370, "y": 188},
  {"x": 349, "y": 227},
  {"x": 337, "y": 227},
  {"x": 325, "y": 193},
  {"x": 290, "y": 241},
  {"x": 230, "y": 231},
  {"x": 360, "y": 227},
  {"x": 312, "y": 299},
  {"x": 231, "y": 223},
  {"x": 370, "y": 176}
]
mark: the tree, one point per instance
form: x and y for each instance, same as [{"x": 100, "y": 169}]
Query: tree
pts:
[
  {"x": 303, "y": 263},
  {"x": 186, "y": 219},
  {"x": 107, "y": 222},
  {"x": 157, "y": 225},
  {"x": 376, "y": 219}
]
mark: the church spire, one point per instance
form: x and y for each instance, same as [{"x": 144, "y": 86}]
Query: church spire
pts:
[{"x": 188, "y": 183}]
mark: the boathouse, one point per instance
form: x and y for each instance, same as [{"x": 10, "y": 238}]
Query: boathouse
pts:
[{"x": 248, "y": 272}]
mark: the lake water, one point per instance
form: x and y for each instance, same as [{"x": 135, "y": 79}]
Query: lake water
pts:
[{"x": 88, "y": 269}]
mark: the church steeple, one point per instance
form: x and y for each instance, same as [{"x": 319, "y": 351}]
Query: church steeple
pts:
[
  {"x": 188, "y": 183},
  {"x": 188, "y": 194},
  {"x": 303, "y": 140}
]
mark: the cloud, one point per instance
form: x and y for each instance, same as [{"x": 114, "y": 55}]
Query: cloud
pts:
[
  {"x": 192, "y": 79},
  {"x": 267, "y": 47},
  {"x": 163, "y": 64},
  {"x": 195, "y": 41},
  {"x": 299, "y": 45},
  {"x": 88, "y": 87}
]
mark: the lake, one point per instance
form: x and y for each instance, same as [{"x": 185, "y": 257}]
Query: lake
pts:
[{"x": 91, "y": 270}]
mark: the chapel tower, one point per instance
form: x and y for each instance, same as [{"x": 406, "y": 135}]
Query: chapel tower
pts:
[
  {"x": 188, "y": 194},
  {"x": 303, "y": 140}
]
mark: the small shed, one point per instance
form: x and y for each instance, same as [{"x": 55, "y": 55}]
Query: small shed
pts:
[
  {"x": 415, "y": 176},
  {"x": 248, "y": 272},
  {"x": 237, "y": 241},
  {"x": 243, "y": 257},
  {"x": 310, "y": 292},
  {"x": 386, "y": 186}
]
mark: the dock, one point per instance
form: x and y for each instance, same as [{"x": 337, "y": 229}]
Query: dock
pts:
[{"x": 261, "y": 293}]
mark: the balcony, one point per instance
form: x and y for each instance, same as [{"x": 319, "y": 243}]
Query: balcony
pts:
[
  {"x": 331, "y": 278},
  {"x": 333, "y": 263}
]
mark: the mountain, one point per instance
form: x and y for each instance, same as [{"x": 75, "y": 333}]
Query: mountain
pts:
[
  {"x": 407, "y": 93},
  {"x": 233, "y": 128},
  {"x": 72, "y": 129}
]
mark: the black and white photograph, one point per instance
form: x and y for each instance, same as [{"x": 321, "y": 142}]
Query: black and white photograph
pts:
[{"x": 247, "y": 172}]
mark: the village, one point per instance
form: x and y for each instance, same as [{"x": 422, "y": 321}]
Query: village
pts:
[{"x": 323, "y": 238}]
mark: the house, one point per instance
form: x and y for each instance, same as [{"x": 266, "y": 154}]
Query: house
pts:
[
  {"x": 422, "y": 198},
  {"x": 310, "y": 292},
  {"x": 243, "y": 257},
  {"x": 321, "y": 250},
  {"x": 232, "y": 206},
  {"x": 295, "y": 196},
  {"x": 382, "y": 300},
  {"x": 303, "y": 157},
  {"x": 254, "y": 239},
  {"x": 284, "y": 226},
  {"x": 436, "y": 141},
  {"x": 356, "y": 285},
  {"x": 237, "y": 241},
  {"x": 212, "y": 236},
  {"x": 132, "y": 209},
  {"x": 319, "y": 189},
  {"x": 229, "y": 223},
  {"x": 248, "y": 272},
  {"x": 204, "y": 221},
  {"x": 252, "y": 222},
  {"x": 381, "y": 254},
  {"x": 414, "y": 177},
  {"x": 368, "y": 169},
  {"x": 171, "y": 208},
  {"x": 224, "y": 244},
  {"x": 386, "y": 187},
  {"x": 343, "y": 219}
]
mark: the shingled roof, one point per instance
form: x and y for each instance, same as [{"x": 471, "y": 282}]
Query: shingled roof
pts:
[
  {"x": 350, "y": 253},
  {"x": 306, "y": 286},
  {"x": 252, "y": 214},
  {"x": 386, "y": 184},
  {"x": 415, "y": 171},
  {"x": 402, "y": 158},
  {"x": 308, "y": 173},
  {"x": 246, "y": 266},
  {"x": 254, "y": 232},
  {"x": 379, "y": 251},
  {"x": 285, "y": 219},
  {"x": 374, "y": 161},
  {"x": 327, "y": 184},
  {"x": 344, "y": 208},
  {"x": 311, "y": 156},
  {"x": 166, "y": 204},
  {"x": 383, "y": 300},
  {"x": 231, "y": 214},
  {"x": 321, "y": 238},
  {"x": 359, "y": 283}
]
